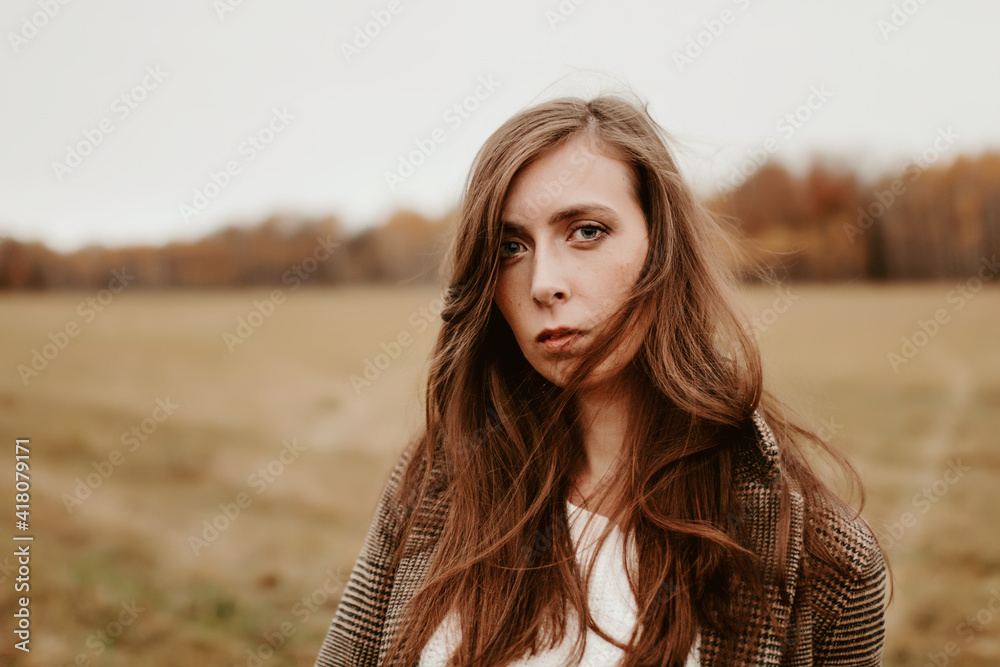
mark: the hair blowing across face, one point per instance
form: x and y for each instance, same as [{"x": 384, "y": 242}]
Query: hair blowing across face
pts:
[{"x": 500, "y": 443}]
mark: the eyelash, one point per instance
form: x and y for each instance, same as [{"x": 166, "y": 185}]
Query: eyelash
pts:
[{"x": 589, "y": 225}]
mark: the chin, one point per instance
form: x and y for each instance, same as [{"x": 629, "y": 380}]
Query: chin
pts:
[{"x": 560, "y": 376}]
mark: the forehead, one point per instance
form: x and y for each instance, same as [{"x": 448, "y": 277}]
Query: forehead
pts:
[{"x": 578, "y": 169}]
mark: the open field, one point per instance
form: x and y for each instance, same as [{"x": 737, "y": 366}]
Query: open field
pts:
[{"x": 146, "y": 429}]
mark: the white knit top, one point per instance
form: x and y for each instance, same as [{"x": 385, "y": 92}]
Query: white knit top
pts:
[{"x": 610, "y": 599}]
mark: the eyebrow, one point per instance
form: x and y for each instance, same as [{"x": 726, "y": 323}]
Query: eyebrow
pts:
[{"x": 568, "y": 213}]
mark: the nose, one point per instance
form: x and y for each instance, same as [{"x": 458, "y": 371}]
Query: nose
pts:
[{"x": 548, "y": 278}]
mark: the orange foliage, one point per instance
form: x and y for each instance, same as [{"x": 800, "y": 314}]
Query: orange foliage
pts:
[
  {"x": 929, "y": 223},
  {"x": 919, "y": 224}
]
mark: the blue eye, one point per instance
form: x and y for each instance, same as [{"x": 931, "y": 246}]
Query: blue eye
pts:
[
  {"x": 506, "y": 245},
  {"x": 590, "y": 232}
]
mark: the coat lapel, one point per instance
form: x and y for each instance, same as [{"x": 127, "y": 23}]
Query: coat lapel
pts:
[
  {"x": 413, "y": 568},
  {"x": 757, "y": 486}
]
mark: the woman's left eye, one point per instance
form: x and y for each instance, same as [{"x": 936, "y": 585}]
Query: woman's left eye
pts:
[{"x": 589, "y": 232}]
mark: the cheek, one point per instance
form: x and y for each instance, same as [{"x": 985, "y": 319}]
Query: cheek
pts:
[
  {"x": 614, "y": 281},
  {"x": 506, "y": 303},
  {"x": 627, "y": 273}
]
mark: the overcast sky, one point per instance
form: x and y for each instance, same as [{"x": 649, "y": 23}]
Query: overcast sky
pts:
[{"x": 115, "y": 115}]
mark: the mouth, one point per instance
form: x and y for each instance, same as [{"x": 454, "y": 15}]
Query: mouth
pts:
[{"x": 559, "y": 340}]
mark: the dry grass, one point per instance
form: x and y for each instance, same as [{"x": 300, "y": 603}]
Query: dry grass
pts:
[{"x": 290, "y": 380}]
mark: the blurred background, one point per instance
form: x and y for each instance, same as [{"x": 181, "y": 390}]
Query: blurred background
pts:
[{"x": 221, "y": 224}]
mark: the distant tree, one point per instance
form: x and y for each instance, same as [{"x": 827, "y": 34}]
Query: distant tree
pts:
[{"x": 823, "y": 225}]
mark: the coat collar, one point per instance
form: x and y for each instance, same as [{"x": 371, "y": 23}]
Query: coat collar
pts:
[
  {"x": 757, "y": 474},
  {"x": 761, "y": 493},
  {"x": 762, "y": 461}
]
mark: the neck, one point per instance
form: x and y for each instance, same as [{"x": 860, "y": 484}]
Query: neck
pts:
[{"x": 604, "y": 417}]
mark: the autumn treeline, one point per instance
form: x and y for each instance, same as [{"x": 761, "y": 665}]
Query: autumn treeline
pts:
[
  {"x": 925, "y": 222},
  {"x": 282, "y": 250}
]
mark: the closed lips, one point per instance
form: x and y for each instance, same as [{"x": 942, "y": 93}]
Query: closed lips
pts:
[{"x": 554, "y": 333}]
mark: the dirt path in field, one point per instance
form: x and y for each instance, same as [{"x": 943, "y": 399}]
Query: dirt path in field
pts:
[
  {"x": 932, "y": 454},
  {"x": 378, "y": 417},
  {"x": 936, "y": 446}
]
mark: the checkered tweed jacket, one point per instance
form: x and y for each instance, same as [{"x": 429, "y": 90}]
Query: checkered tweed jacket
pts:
[{"x": 836, "y": 620}]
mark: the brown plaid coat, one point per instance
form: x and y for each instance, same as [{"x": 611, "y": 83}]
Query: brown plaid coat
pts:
[{"x": 836, "y": 620}]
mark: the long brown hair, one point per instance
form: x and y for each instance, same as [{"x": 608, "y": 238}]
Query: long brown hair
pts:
[{"x": 500, "y": 443}]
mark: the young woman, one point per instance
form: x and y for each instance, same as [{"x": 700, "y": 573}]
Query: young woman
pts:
[{"x": 602, "y": 479}]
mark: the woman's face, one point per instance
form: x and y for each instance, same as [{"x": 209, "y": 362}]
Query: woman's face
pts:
[{"x": 575, "y": 240}]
